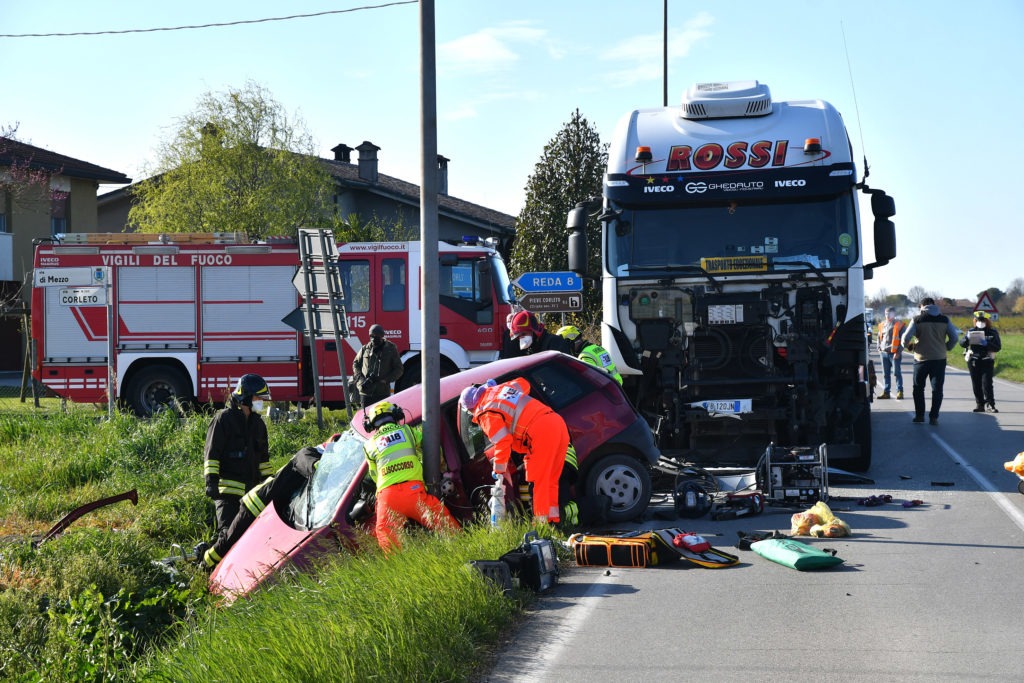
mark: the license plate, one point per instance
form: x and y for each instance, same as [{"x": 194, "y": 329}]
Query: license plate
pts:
[{"x": 732, "y": 407}]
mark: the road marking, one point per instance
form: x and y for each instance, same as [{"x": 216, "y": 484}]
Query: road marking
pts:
[
  {"x": 549, "y": 652},
  {"x": 999, "y": 497}
]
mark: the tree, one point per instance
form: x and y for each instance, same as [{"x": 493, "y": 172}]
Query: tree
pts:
[
  {"x": 237, "y": 163},
  {"x": 916, "y": 293},
  {"x": 570, "y": 170},
  {"x": 1018, "y": 305}
]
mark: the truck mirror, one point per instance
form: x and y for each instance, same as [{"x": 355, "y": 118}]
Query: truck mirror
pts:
[
  {"x": 885, "y": 240},
  {"x": 577, "y": 218},
  {"x": 511, "y": 293},
  {"x": 882, "y": 205},
  {"x": 578, "y": 251}
]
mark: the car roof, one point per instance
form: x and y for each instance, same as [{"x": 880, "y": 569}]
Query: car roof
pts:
[{"x": 452, "y": 385}]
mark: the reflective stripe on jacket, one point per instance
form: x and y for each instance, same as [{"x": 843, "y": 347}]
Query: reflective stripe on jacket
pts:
[
  {"x": 602, "y": 360},
  {"x": 896, "y": 331},
  {"x": 504, "y": 413},
  {"x": 393, "y": 455}
]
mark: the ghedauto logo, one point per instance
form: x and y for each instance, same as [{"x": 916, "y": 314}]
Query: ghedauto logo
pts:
[{"x": 696, "y": 188}]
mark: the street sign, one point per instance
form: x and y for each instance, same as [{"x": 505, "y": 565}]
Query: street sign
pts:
[
  {"x": 323, "y": 321},
  {"x": 70, "y": 277},
  {"x": 985, "y": 304},
  {"x": 549, "y": 282},
  {"x": 318, "y": 277},
  {"x": 552, "y": 302},
  {"x": 83, "y": 296}
]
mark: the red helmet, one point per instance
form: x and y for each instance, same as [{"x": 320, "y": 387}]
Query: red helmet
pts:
[{"x": 525, "y": 322}]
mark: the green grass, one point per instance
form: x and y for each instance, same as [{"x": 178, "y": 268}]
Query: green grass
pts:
[
  {"x": 91, "y": 605},
  {"x": 1009, "y": 361},
  {"x": 417, "y": 615}
]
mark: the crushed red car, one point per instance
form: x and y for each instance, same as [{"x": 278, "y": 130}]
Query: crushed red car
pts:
[{"x": 614, "y": 447}]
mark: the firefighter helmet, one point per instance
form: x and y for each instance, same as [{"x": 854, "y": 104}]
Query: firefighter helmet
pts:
[
  {"x": 570, "y": 332},
  {"x": 981, "y": 315},
  {"x": 525, "y": 322},
  {"x": 380, "y": 414},
  {"x": 250, "y": 386}
]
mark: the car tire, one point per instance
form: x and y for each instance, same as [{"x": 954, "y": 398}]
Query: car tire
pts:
[
  {"x": 625, "y": 480},
  {"x": 862, "y": 437},
  {"x": 153, "y": 389}
]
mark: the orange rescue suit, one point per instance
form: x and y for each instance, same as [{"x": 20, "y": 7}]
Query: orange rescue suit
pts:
[{"x": 513, "y": 420}]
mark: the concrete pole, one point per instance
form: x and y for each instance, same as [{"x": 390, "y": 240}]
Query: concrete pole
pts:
[{"x": 430, "y": 368}]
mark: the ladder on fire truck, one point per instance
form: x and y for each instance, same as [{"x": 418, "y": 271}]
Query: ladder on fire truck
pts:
[{"x": 319, "y": 280}]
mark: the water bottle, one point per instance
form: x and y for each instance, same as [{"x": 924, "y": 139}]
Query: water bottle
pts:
[{"x": 497, "y": 503}]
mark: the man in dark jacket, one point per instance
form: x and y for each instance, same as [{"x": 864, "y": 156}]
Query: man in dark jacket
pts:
[
  {"x": 930, "y": 336},
  {"x": 376, "y": 366},
  {"x": 237, "y": 454},
  {"x": 527, "y": 332}
]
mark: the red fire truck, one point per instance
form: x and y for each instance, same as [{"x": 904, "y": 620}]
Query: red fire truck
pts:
[{"x": 195, "y": 312}]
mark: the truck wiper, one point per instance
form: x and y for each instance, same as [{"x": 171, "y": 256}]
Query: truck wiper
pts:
[
  {"x": 678, "y": 267},
  {"x": 810, "y": 265}
]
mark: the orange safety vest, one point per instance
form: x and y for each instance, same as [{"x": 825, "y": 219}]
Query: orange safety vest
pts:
[
  {"x": 898, "y": 327},
  {"x": 504, "y": 412}
]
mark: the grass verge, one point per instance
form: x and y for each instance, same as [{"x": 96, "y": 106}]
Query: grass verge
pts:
[
  {"x": 1009, "y": 361},
  {"x": 90, "y": 605}
]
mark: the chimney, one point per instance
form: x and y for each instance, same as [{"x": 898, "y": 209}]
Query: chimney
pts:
[
  {"x": 442, "y": 174},
  {"x": 368, "y": 161},
  {"x": 342, "y": 152}
]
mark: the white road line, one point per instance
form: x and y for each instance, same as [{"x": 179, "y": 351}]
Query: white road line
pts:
[
  {"x": 549, "y": 652},
  {"x": 999, "y": 497}
]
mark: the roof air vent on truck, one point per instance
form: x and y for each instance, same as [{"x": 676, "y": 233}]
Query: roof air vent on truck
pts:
[{"x": 735, "y": 99}]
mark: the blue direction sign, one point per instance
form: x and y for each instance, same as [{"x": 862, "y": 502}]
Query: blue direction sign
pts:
[{"x": 565, "y": 281}]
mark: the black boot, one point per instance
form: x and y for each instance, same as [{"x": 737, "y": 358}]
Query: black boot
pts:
[{"x": 979, "y": 409}]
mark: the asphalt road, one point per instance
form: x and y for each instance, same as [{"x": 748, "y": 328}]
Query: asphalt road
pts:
[{"x": 925, "y": 593}]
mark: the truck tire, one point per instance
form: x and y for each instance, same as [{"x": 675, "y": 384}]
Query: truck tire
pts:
[
  {"x": 625, "y": 480},
  {"x": 862, "y": 437},
  {"x": 153, "y": 389}
]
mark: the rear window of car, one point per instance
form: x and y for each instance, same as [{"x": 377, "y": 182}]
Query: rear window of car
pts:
[{"x": 558, "y": 385}]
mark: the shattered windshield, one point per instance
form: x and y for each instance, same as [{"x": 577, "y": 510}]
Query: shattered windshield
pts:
[
  {"x": 818, "y": 231},
  {"x": 314, "y": 505}
]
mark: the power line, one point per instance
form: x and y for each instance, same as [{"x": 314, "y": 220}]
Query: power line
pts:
[{"x": 195, "y": 26}]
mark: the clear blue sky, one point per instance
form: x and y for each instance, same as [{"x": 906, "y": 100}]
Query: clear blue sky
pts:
[{"x": 937, "y": 85}]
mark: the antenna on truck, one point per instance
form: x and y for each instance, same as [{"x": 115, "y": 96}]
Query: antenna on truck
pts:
[{"x": 856, "y": 107}]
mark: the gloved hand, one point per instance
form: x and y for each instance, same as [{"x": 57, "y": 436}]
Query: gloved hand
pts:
[
  {"x": 983, "y": 342},
  {"x": 211, "y": 487},
  {"x": 495, "y": 476}
]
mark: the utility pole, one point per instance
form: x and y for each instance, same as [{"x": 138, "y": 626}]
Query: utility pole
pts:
[
  {"x": 430, "y": 361},
  {"x": 664, "y": 60}
]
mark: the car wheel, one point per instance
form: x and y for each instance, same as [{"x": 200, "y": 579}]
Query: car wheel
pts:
[
  {"x": 862, "y": 437},
  {"x": 155, "y": 389},
  {"x": 625, "y": 480}
]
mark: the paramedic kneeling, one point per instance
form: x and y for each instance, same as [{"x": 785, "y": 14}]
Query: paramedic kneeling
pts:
[
  {"x": 511, "y": 419},
  {"x": 395, "y": 459}
]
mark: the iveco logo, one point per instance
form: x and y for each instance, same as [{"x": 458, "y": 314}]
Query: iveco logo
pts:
[
  {"x": 659, "y": 188},
  {"x": 790, "y": 183},
  {"x": 697, "y": 188}
]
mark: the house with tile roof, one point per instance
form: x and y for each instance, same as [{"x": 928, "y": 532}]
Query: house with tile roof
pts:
[
  {"x": 361, "y": 189},
  {"x": 61, "y": 199}
]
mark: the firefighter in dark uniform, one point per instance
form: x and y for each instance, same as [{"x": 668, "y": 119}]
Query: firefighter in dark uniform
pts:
[
  {"x": 237, "y": 451},
  {"x": 277, "y": 489}
]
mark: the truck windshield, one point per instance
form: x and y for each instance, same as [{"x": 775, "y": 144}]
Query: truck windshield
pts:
[
  {"x": 499, "y": 276},
  {"x": 821, "y": 232}
]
